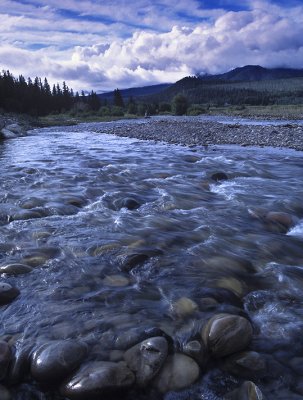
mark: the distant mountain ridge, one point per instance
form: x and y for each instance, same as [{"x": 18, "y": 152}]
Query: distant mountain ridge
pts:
[
  {"x": 255, "y": 73},
  {"x": 240, "y": 82},
  {"x": 136, "y": 92}
]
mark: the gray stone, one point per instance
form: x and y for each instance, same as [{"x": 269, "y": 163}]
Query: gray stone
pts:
[
  {"x": 54, "y": 361},
  {"x": 247, "y": 364},
  {"x": 247, "y": 391},
  {"x": 178, "y": 372},
  {"x": 146, "y": 358},
  {"x": 225, "y": 334},
  {"x": 96, "y": 379},
  {"x": 7, "y": 293},
  {"x": 15, "y": 269}
]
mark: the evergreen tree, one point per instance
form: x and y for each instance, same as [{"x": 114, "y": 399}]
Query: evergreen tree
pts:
[{"x": 118, "y": 100}]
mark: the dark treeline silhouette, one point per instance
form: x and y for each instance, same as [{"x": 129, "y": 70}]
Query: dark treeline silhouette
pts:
[{"x": 37, "y": 98}]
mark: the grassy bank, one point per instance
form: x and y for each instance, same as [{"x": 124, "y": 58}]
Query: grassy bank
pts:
[{"x": 67, "y": 119}]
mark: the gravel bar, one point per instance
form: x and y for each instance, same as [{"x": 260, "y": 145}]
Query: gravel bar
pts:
[{"x": 191, "y": 131}]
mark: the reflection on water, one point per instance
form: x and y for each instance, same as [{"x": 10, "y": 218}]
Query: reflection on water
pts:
[{"x": 117, "y": 231}]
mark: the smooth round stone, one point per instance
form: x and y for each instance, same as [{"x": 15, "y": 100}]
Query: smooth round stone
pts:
[
  {"x": 191, "y": 159},
  {"x": 236, "y": 264},
  {"x": 247, "y": 391},
  {"x": 197, "y": 351},
  {"x": 31, "y": 202},
  {"x": 41, "y": 256},
  {"x": 15, "y": 269},
  {"x": 96, "y": 379},
  {"x": 5, "y": 357},
  {"x": 25, "y": 215},
  {"x": 54, "y": 361},
  {"x": 280, "y": 220},
  {"x": 146, "y": 358},
  {"x": 7, "y": 293},
  {"x": 178, "y": 372},
  {"x": 116, "y": 280},
  {"x": 5, "y": 393},
  {"x": 247, "y": 364},
  {"x": 225, "y": 334},
  {"x": 232, "y": 284},
  {"x": 184, "y": 307}
]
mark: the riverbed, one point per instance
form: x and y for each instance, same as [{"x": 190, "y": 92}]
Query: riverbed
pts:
[{"x": 128, "y": 240}]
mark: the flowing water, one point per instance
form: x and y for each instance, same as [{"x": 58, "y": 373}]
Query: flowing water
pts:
[{"x": 103, "y": 272}]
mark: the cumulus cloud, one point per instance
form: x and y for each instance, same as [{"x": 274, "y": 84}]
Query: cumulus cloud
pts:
[{"x": 102, "y": 55}]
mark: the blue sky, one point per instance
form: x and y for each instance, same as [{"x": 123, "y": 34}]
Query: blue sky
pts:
[{"x": 102, "y": 44}]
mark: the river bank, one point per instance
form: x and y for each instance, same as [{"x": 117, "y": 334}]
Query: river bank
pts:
[{"x": 194, "y": 131}]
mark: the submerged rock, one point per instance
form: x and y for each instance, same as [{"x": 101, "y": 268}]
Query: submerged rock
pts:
[
  {"x": 7, "y": 293},
  {"x": 219, "y": 176},
  {"x": 116, "y": 280},
  {"x": 247, "y": 364},
  {"x": 179, "y": 371},
  {"x": 226, "y": 334},
  {"x": 279, "y": 221},
  {"x": 5, "y": 393},
  {"x": 247, "y": 391},
  {"x": 15, "y": 269},
  {"x": 183, "y": 307},
  {"x": 146, "y": 358},
  {"x": 5, "y": 357},
  {"x": 97, "y": 379},
  {"x": 54, "y": 361}
]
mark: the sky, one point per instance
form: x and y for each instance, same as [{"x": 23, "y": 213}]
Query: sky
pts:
[{"x": 102, "y": 45}]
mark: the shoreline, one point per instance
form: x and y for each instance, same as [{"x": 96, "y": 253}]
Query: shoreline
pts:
[{"x": 192, "y": 132}]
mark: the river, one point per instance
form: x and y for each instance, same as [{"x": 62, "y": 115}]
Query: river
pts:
[{"x": 124, "y": 236}]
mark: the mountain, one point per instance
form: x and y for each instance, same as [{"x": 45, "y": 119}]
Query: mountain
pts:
[
  {"x": 256, "y": 73},
  {"x": 136, "y": 92}
]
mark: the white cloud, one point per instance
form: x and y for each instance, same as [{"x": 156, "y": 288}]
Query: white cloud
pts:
[{"x": 142, "y": 46}]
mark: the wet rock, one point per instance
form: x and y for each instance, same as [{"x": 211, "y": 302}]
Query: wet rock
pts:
[
  {"x": 220, "y": 295},
  {"x": 116, "y": 280},
  {"x": 20, "y": 364},
  {"x": 178, "y": 372},
  {"x": 191, "y": 159},
  {"x": 146, "y": 358},
  {"x": 131, "y": 203},
  {"x": 40, "y": 256},
  {"x": 96, "y": 379},
  {"x": 247, "y": 391},
  {"x": 183, "y": 307},
  {"x": 31, "y": 202},
  {"x": 233, "y": 284},
  {"x": 133, "y": 260},
  {"x": 219, "y": 176},
  {"x": 225, "y": 334},
  {"x": 197, "y": 351},
  {"x": 247, "y": 364},
  {"x": 5, "y": 357},
  {"x": 5, "y": 393},
  {"x": 15, "y": 269},
  {"x": 54, "y": 361},
  {"x": 279, "y": 221},
  {"x": 7, "y": 293}
]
